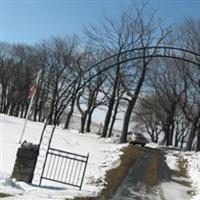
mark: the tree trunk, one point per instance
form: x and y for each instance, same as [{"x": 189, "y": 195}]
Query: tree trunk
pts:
[
  {"x": 51, "y": 117},
  {"x": 11, "y": 112},
  {"x": 17, "y": 109},
  {"x": 194, "y": 129},
  {"x": 89, "y": 121},
  {"x": 22, "y": 111},
  {"x": 126, "y": 121},
  {"x": 156, "y": 140},
  {"x": 40, "y": 114},
  {"x": 52, "y": 107},
  {"x": 83, "y": 120},
  {"x": 191, "y": 138},
  {"x": 108, "y": 115},
  {"x": 41, "y": 110},
  {"x": 172, "y": 125},
  {"x": 113, "y": 119},
  {"x": 182, "y": 141},
  {"x": 69, "y": 115},
  {"x": 152, "y": 135},
  {"x": 25, "y": 109},
  {"x": 68, "y": 118},
  {"x": 171, "y": 134},
  {"x": 166, "y": 130},
  {"x": 132, "y": 104},
  {"x": 176, "y": 140},
  {"x": 6, "y": 108},
  {"x": 198, "y": 140},
  {"x": 35, "y": 114},
  {"x": 3, "y": 97},
  {"x": 111, "y": 104}
]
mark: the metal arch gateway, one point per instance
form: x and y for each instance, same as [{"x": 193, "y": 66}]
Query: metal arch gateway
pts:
[
  {"x": 140, "y": 53},
  {"x": 134, "y": 54},
  {"x": 125, "y": 56},
  {"x": 147, "y": 52}
]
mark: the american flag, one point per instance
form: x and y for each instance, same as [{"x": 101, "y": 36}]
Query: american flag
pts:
[{"x": 31, "y": 91}]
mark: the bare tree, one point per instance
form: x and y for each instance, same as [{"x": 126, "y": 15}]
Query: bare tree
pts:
[
  {"x": 144, "y": 32},
  {"x": 6, "y": 65},
  {"x": 60, "y": 54},
  {"x": 146, "y": 117},
  {"x": 189, "y": 37},
  {"x": 89, "y": 97},
  {"x": 111, "y": 36}
]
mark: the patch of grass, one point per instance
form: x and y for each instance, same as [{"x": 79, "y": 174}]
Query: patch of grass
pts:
[
  {"x": 182, "y": 172},
  {"x": 183, "y": 164},
  {"x": 2, "y": 195}
]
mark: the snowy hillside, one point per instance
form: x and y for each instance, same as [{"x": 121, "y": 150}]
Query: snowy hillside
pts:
[{"x": 95, "y": 125}]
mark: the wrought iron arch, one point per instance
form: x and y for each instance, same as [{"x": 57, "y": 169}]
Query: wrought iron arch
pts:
[
  {"x": 136, "y": 54},
  {"x": 140, "y": 53}
]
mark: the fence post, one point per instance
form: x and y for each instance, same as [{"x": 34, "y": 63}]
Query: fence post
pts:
[{"x": 84, "y": 172}]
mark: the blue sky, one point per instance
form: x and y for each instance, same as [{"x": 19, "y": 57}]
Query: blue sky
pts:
[{"x": 29, "y": 21}]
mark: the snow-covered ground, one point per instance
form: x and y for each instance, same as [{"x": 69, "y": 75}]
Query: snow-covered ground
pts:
[
  {"x": 173, "y": 189},
  {"x": 104, "y": 155},
  {"x": 193, "y": 172}
]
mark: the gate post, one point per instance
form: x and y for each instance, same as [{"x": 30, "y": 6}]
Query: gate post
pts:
[
  {"x": 25, "y": 162},
  {"x": 84, "y": 171}
]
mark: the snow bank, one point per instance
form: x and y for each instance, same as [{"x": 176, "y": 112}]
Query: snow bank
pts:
[
  {"x": 172, "y": 160},
  {"x": 194, "y": 172},
  {"x": 173, "y": 191},
  {"x": 154, "y": 145},
  {"x": 193, "y": 168},
  {"x": 104, "y": 155}
]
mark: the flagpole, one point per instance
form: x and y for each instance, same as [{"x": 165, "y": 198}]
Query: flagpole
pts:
[{"x": 29, "y": 107}]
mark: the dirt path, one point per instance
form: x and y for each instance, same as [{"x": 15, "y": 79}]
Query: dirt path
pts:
[
  {"x": 141, "y": 180},
  {"x": 151, "y": 179}
]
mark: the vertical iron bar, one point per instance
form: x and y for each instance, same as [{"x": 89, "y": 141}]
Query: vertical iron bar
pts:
[
  {"x": 50, "y": 159},
  {"x": 68, "y": 170},
  {"x": 56, "y": 167},
  {"x": 64, "y": 169},
  {"x": 47, "y": 154},
  {"x": 75, "y": 171},
  {"x": 71, "y": 171},
  {"x": 60, "y": 167},
  {"x": 52, "y": 167},
  {"x": 79, "y": 173},
  {"x": 84, "y": 171}
]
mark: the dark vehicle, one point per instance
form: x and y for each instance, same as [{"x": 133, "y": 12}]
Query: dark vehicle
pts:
[{"x": 137, "y": 138}]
